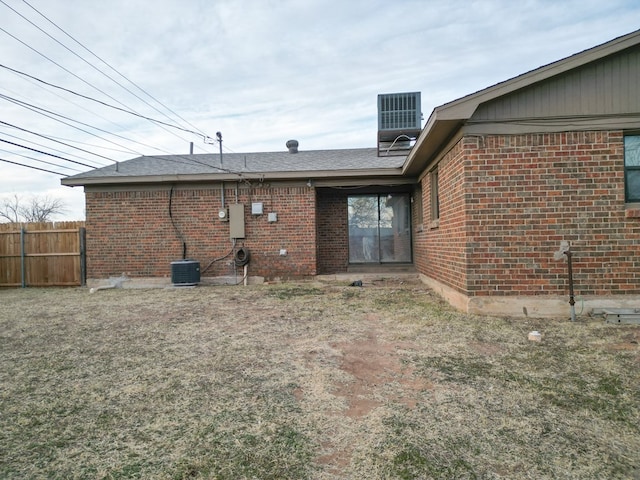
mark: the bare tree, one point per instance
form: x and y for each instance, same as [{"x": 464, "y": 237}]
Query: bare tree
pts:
[{"x": 35, "y": 209}]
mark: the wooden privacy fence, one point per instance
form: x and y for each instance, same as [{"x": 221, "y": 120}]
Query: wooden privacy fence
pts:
[{"x": 42, "y": 254}]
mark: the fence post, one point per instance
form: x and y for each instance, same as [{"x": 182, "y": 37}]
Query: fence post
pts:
[
  {"x": 82, "y": 231},
  {"x": 22, "y": 259}
]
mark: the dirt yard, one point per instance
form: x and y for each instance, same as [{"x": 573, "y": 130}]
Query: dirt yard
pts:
[{"x": 308, "y": 381}]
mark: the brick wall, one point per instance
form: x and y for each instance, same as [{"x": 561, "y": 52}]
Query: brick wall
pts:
[
  {"x": 440, "y": 248},
  {"x": 524, "y": 194},
  {"x": 132, "y": 231},
  {"x": 333, "y": 232}
]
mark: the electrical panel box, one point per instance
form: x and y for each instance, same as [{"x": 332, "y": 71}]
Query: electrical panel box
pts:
[{"x": 236, "y": 220}]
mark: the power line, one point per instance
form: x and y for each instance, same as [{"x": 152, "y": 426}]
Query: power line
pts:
[
  {"x": 206, "y": 138},
  {"x": 126, "y": 109},
  {"x": 35, "y": 109},
  {"x": 74, "y": 75},
  {"x": 60, "y": 66},
  {"x": 31, "y": 166},
  {"x": 41, "y": 145},
  {"x": 86, "y": 97},
  {"x": 117, "y": 72},
  {"x": 82, "y": 107},
  {"x": 56, "y": 141},
  {"x": 38, "y": 160},
  {"x": 189, "y": 159},
  {"x": 197, "y": 131},
  {"x": 45, "y": 153},
  {"x": 127, "y": 149}
]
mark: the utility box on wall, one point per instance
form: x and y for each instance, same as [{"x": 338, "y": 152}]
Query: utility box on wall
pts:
[{"x": 236, "y": 220}]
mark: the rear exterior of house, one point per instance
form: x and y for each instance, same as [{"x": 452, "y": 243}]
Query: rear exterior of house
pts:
[
  {"x": 140, "y": 231},
  {"x": 297, "y": 216},
  {"x": 301, "y": 231},
  {"x": 546, "y": 158},
  {"x": 496, "y": 183}
]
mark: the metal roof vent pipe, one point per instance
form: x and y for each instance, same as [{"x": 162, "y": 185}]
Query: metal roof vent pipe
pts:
[{"x": 292, "y": 145}]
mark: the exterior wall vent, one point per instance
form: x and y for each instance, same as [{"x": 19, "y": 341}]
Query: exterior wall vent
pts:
[
  {"x": 399, "y": 122},
  {"x": 185, "y": 273}
]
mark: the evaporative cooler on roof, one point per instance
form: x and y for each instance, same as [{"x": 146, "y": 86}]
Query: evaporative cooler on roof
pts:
[{"x": 399, "y": 122}]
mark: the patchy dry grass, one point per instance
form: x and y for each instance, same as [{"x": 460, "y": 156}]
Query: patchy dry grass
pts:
[{"x": 306, "y": 380}]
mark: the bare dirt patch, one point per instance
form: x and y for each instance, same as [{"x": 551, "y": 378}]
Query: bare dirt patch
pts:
[
  {"x": 372, "y": 364},
  {"x": 307, "y": 380}
]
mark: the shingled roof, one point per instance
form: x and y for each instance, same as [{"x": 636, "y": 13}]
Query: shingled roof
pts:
[{"x": 327, "y": 164}]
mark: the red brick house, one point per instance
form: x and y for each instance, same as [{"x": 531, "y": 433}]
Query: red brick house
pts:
[
  {"x": 510, "y": 172},
  {"x": 495, "y": 182},
  {"x": 145, "y": 213}
]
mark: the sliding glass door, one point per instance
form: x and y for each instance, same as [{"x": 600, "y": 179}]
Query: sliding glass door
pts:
[{"x": 379, "y": 228}]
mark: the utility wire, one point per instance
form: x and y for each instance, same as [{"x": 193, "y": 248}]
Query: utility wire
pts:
[
  {"x": 75, "y": 104},
  {"x": 87, "y": 62},
  {"x": 40, "y": 82},
  {"x": 86, "y": 97},
  {"x": 86, "y": 131},
  {"x": 32, "y": 107},
  {"x": 117, "y": 72},
  {"x": 7, "y": 134},
  {"x": 128, "y": 150},
  {"x": 38, "y": 160},
  {"x": 56, "y": 141},
  {"x": 31, "y": 166},
  {"x": 206, "y": 138},
  {"x": 45, "y": 153},
  {"x": 76, "y": 76},
  {"x": 60, "y": 66},
  {"x": 200, "y": 133},
  {"x": 188, "y": 159}
]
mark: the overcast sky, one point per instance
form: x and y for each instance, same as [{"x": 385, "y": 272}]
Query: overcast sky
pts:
[{"x": 259, "y": 71}]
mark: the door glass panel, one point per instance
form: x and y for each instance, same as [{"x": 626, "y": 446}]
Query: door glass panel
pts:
[
  {"x": 379, "y": 228},
  {"x": 386, "y": 229},
  {"x": 395, "y": 228},
  {"x": 363, "y": 229}
]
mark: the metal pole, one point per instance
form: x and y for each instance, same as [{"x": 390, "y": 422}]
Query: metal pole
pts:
[
  {"x": 219, "y": 137},
  {"x": 572, "y": 301}
]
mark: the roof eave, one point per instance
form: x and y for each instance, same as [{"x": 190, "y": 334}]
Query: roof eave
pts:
[{"x": 223, "y": 177}]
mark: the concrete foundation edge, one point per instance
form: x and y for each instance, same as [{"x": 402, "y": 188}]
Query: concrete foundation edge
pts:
[{"x": 524, "y": 306}]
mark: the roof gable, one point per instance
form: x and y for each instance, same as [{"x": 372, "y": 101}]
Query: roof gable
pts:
[
  {"x": 608, "y": 86},
  {"x": 446, "y": 119}
]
